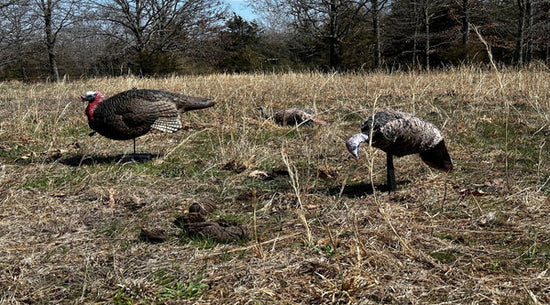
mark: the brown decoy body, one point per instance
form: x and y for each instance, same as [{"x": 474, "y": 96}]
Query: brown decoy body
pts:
[{"x": 399, "y": 134}]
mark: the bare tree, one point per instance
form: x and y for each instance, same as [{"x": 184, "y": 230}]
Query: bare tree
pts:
[
  {"x": 403, "y": 31},
  {"x": 525, "y": 30},
  {"x": 55, "y": 16},
  {"x": 417, "y": 16},
  {"x": 17, "y": 34},
  {"x": 327, "y": 21},
  {"x": 417, "y": 30},
  {"x": 523, "y": 16},
  {"x": 468, "y": 12},
  {"x": 152, "y": 27},
  {"x": 466, "y": 8},
  {"x": 376, "y": 9},
  {"x": 430, "y": 10},
  {"x": 539, "y": 30}
]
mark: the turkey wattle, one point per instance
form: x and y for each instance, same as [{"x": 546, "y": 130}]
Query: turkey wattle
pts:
[{"x": 133, "y": 113}]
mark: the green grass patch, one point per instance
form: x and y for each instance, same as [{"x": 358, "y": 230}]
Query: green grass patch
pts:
[
  {"x": 446, "y": 257},
  {"x": 57, "y": 179},
  {"x": 112, "y": 228},
  {"x": 178, "y": 290},
  {"x": 37, "y": 183},
  {"x": 15, "y": 153},
  {"x": 121, "y": 298},
  {"x": 200, "y": 243}
]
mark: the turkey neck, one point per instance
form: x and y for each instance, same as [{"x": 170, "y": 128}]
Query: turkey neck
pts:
[{"x": 91, "y": 107}]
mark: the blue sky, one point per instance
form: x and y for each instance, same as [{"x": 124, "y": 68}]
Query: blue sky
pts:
[{"x": 241, "y": 9}]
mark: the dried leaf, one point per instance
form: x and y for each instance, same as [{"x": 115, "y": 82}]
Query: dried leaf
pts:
[
  {"x": 136, "y": 199},
  {"x": 310, "y": 206},
  {"x": 258, "y": 174},
  {"x": 111, "y": 202},
  {"x": 471, "y": 192},
  {"x": 324, "y": 174}
]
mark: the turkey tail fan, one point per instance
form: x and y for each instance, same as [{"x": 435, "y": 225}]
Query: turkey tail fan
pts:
[
  {"x": 191, "y": 104},
  {"x": 438, "y": 157}
]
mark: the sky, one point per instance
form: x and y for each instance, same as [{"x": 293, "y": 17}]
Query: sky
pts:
[{"x": 241, "y": 9}]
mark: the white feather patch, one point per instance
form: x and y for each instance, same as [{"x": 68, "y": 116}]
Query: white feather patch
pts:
[{"x": 167, "y": 124}]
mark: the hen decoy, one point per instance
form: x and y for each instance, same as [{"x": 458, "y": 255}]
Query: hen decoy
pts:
[{"x": 399, "y": 134}]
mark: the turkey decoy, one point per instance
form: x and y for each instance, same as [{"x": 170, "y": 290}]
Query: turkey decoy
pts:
[
  {"x": 399, "y": 134},
  {"x": 133, "y": 113}
]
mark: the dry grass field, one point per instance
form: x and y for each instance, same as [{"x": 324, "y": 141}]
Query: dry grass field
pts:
[{"x": 321, "y": 227}]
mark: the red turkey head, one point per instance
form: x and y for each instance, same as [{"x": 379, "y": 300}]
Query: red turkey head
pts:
[{"x": 93, "y": 98}]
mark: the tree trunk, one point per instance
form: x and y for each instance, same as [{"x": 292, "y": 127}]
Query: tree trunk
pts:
[
  {"x": 426, "y": 14},
  {"x": 50, "y": 39},
  {"x": 415, "y": 36},
  {"x": 376, "y": 33},
  {"x": 334, "y": 59},
  {"x": 334, "y": 56},
  {"x": 529, "y": 30},
  {"x": 19, "y": 49},
  {"x": 22, "y": 70},
  {"x": 520, "y": 41},
  {"x": 54, "y": 73},
  {"x": 465, "y": 21}
]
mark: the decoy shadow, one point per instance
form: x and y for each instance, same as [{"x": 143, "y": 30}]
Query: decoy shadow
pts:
[
  {"x": 358, "y": 190},
  {"x": 80, "y": 159},
  {"x": 351, "y": 190}
]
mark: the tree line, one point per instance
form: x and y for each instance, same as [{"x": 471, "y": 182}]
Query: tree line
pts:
[{"x": 51, "y": 39}]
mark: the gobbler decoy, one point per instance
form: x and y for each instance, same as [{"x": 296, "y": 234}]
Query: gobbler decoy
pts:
[{"x": 133, "y": 113}]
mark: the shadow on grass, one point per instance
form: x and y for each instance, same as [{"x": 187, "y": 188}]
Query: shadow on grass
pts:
[
  {"x": 360, "y": 189},
  {"x": 352, "y": 190},
  {"x": 79, "y": 159}
]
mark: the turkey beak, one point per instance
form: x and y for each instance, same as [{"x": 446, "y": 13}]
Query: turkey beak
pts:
[
  {"x": 354, "y": 143},
  {"x": 353, "y": 149}
]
